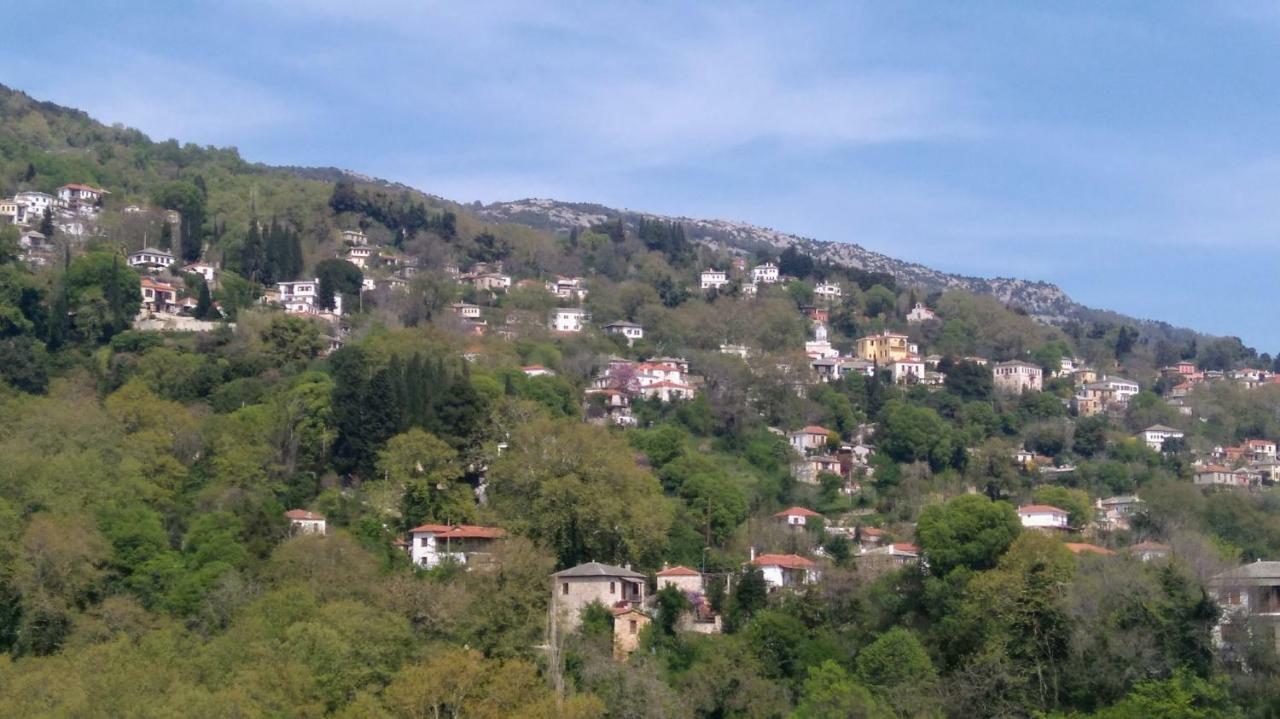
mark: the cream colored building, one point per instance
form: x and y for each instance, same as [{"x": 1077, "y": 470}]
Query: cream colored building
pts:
[{"x": 1017, "y": 376}]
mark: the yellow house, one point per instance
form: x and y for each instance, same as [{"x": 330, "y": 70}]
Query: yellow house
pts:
[{"x": 884, "y": 348}]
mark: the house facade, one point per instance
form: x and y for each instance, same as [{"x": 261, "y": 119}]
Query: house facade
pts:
[
  {"x": 713, "y": 279},
  {"x": 568, "y": 319},
  {"x": 575, "y": 588},
  {"x": 1155, "y": 436},
  {"x": 431, "y": 545},
  {"x": 786, "y": 571},
  {"x": 795, "y": 516},
  {"x": 764, "y": 274},
  {"x": 302, "y": 521},
  {"x": 1017, "y": 376},
  {"x": 1249, "y": 599},
  {"x": 629, "y": 330},
  {"x": 151, "y": 259},
  {"x": 1043, "y": 516},
  {"x": 809, "y": 439}
]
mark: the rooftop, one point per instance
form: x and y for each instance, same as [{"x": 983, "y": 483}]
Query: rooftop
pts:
[{"x": 597, "y": 569}]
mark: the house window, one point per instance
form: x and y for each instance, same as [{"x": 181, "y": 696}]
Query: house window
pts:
[
  {"x": 564, "y": 588},
  {"x": 423, "y": 541},
  {"x": 631, "y": 625},
  {"x": 611, "y": 588}
]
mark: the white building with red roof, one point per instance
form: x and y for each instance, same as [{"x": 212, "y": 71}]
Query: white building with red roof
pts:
[
  {"x": 809, "y": 439},
  {"x": 432, "y": 544},
  {"x": 77, "y": 193},
  {"x": 157, "y": 295},
  {"x": 795, "y": 516},
  {"x": 302, "y": 521},
  {"x": 537, "y": 370},
  {"x": 1043, "y": 516},
  {"x": 786, "y": 570}
]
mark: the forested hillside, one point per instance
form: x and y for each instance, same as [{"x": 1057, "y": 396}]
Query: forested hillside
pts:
[{"x": 159, "y": 490}]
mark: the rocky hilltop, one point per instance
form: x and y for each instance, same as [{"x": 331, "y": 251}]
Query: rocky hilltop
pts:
[{"x": 1040, "y": 299}]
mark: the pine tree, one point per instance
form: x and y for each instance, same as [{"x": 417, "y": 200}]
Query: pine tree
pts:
[
  {"x": 326, "y": 291},
  {"x": 414, "y": 391},
  {"x": 166, "y": 236},
  {"x": 295, "y": 255},
  {"x": 399, "y": 389},
  {"x": 30, "y": 173}
]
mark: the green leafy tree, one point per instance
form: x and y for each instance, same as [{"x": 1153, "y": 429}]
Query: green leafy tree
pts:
[
  {"x": 575, "y": 488},
  {"x": 830, "y": 692},
  {"x": 968, "y": 531}
]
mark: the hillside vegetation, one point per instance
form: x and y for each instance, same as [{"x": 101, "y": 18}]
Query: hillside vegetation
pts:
[{"x": 147, "y": 567}]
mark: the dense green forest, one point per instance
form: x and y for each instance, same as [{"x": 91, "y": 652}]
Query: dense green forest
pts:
[{"x": 147, "y": 567}]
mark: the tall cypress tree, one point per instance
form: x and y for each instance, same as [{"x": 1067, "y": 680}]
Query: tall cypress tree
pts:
[
  {"x": 350, "y": 376},
  {"x": 204, "y": 303},
  {"x": 251, "y": 252},
  {"x": 414, "y": 391}
]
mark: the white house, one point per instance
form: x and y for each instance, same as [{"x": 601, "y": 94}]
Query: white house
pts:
[
  {"x": 1155, "y": 435},
  {"x": 766, "y": 273},
  {"x": 432, "y": 544},
  {"x": 827, "y": 291},
  {"x": 36, "y": 203},
  {"x": 568, "y": 319},
  {"x": 302, "y": 297},
  {"x": 150, "y": 258},
  {"x": 1043, "y": 516},
  {"x": 749, "y": 289},
  {"x": 667, "y": 391},
  {"x": 795, "y": 516},
  {"x": 920, "y": 313},
  {"x": 302, "y": 521},
  {"x": 537, "y": 370},
  {"x": 630, "y": 330},
  {"x": 206, "y": 270},
  {"x": 909, "y": 370},
  {"x": 469, "y": 311},
  {"x": 1115, "y": 513},
  {"x": 80, "y": 194},
  {"x": 1017, "y": 376},
  {"x": 713, "y": 279},
  {"x": 354, "y": 237},
  {"x": 786, "y": 570},
  {"x": 1123, "y": 389},
  {"x": 810, "y": 438},
  {"x": 361, "y": 256}
]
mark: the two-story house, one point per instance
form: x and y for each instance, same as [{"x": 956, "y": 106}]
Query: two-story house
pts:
[
  {"x": 433, "y": 544},
  {"x": 569, "y": 319},
  {"x": 302, "y": 521},
  {"x": 764, "y": 274},
  {"x": 1017, "y": 376},
  {"x": 1155, "y": 436},
  {"x": 713, "y": 279},
  {"x": 574, "y": 588},
  {"x": 884, "y": 348}
]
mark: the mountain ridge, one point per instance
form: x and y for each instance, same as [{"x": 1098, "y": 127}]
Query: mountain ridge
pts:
[{"x": 1043, "y": 300}]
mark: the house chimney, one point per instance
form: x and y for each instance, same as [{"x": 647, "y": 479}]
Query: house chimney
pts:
[
  {"x": 627, "y": 566},
  {"x": 753, "y": 554}
]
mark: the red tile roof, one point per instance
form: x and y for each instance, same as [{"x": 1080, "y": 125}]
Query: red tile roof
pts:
[
  {"x": 906, "y": 547},
  {"x": 815, "y": 429},
  {"x": 797, "y": 511},
  {"x": 786, "y": 561},
  {"x": 1040, "y": 509},
  {"x": 433, "y": 528},
  {"x": 466, "y": 531},
  {"x": 1081, "y": 547},
  {"x": 303, "y": 514},
  {"x": 872, "y": 532},
  {"x": 679, "y": 571}
]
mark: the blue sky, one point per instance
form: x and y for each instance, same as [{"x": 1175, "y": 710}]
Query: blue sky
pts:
[{"x": 1126, "y": 151}]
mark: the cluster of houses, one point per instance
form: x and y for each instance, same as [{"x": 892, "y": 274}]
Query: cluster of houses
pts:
[
  {"x": 621, "y": 381},
  {"x": 820, "y": 451},
  {"x": 381, "y": 267},
  {"x": 67, "y": 210}
]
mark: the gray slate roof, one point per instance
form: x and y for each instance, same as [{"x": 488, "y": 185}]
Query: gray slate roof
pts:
[{"x": 596, "y": 569}]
